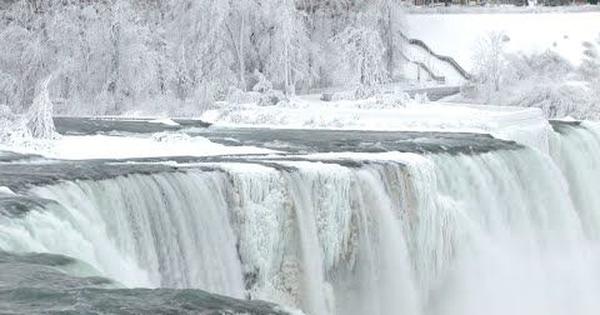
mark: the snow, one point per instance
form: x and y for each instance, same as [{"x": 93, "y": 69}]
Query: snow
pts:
[
  {"x": 117, "y": 147},
  {"x": 164, "y": 121},
  {"x": 6, "y": 191},
  {"x": 501, "y": 9},
  {"x": 457, "y": 35},
  {"x": 567, "y": 119}
]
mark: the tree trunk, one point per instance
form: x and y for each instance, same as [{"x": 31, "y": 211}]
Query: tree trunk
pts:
[
  {"x": 390, "y": 54},
  {"x": 240, "y": 53}
]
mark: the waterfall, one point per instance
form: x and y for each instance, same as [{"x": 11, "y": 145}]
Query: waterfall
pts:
[
  {"x": 167, "y": 230},
  {"x": 498, "y": 233},
  {"x": 576, "y": 149},
  {"x": 509, "y": 231}
]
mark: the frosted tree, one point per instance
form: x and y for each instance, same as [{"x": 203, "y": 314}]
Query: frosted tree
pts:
[
  {"x": 590, "y": 66},
  {"x": 390, "y": 17},
  {"x": 288, "y": 60},
  {"x": 239, "y": 28},
  {"x": 361, "y": 55},
  {"x": 132, "y": 70},
  {"x": 490, "y": 62},
  {"x": 115, "y": 56},
  {"x": 81, "y": 42},
  {"x": 8, "y": 87},
  {"x": 39, "y": 117},
  {"x": 7, "y": 119},
  {"x": 202, "y": 60},
  {"x": 25, "y": 57},
  {"x": 324, "y": 20}
]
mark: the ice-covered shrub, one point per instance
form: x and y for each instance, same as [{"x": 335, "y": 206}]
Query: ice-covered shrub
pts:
[
  {"x": 238, "y": 96},
  {"x": 5, "y": 114},
  {"x": 421, "y": 98},
  {"x": 358, "y": 93},
  {"x": 378, "y": 100},
  {"x": 551, "y": 83},
  {"x": 13, "y": 128},
  {"x": 548, "y": 65},
  {"x": 556, "y": 99},
  {"x": 268, "y": 98},
  {"x": 365, "y": 91},
  {"x": 343, "y": 96},
  {"x": 590, "y": 66},
  {"x": 7, "y": 119},
  {"x": 262, "y": 93},
  {"x": 545, "y": 80},
  {"x": 393, "y": 100},
  {"x": 262, "y": 84},
  {"x": 272, "y": 97}
]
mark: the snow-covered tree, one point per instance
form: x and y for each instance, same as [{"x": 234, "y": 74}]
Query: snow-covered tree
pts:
[
  {"x": 390, "y": 18},
  {"x": 361, "y": 51},
  {"x": 26, "y": 55},
  {"x": 114, "y": 56},
  {"x": 239, "y": 28},
  {"x": 8, "y": 89},
  {"x": 490, "y": 62},
  {"x": 288, "y": 59},
  {"x": 39, "y": 117},
  {"x": 203, "y": 68}
]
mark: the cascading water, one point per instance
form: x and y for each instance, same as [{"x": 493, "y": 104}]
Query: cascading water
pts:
[
  {"x": 144, "y": 231},
  {"x": 576, "y": 150},
  {"x": 310, "y": 234},
  {"x": 498, "y": 234},
  {"x": 507, "y": 231}
]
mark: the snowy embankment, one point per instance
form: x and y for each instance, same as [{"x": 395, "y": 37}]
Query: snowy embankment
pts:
[
  {"x": 457, "y": 35},
  {"x": 524, "y": 125}
]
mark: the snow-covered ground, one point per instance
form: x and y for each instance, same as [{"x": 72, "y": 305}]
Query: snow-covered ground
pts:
[
  {"x": 166, "y": 144},
  {"x": 457, "y": 35},
  {"x": 501, "y": 9}
]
